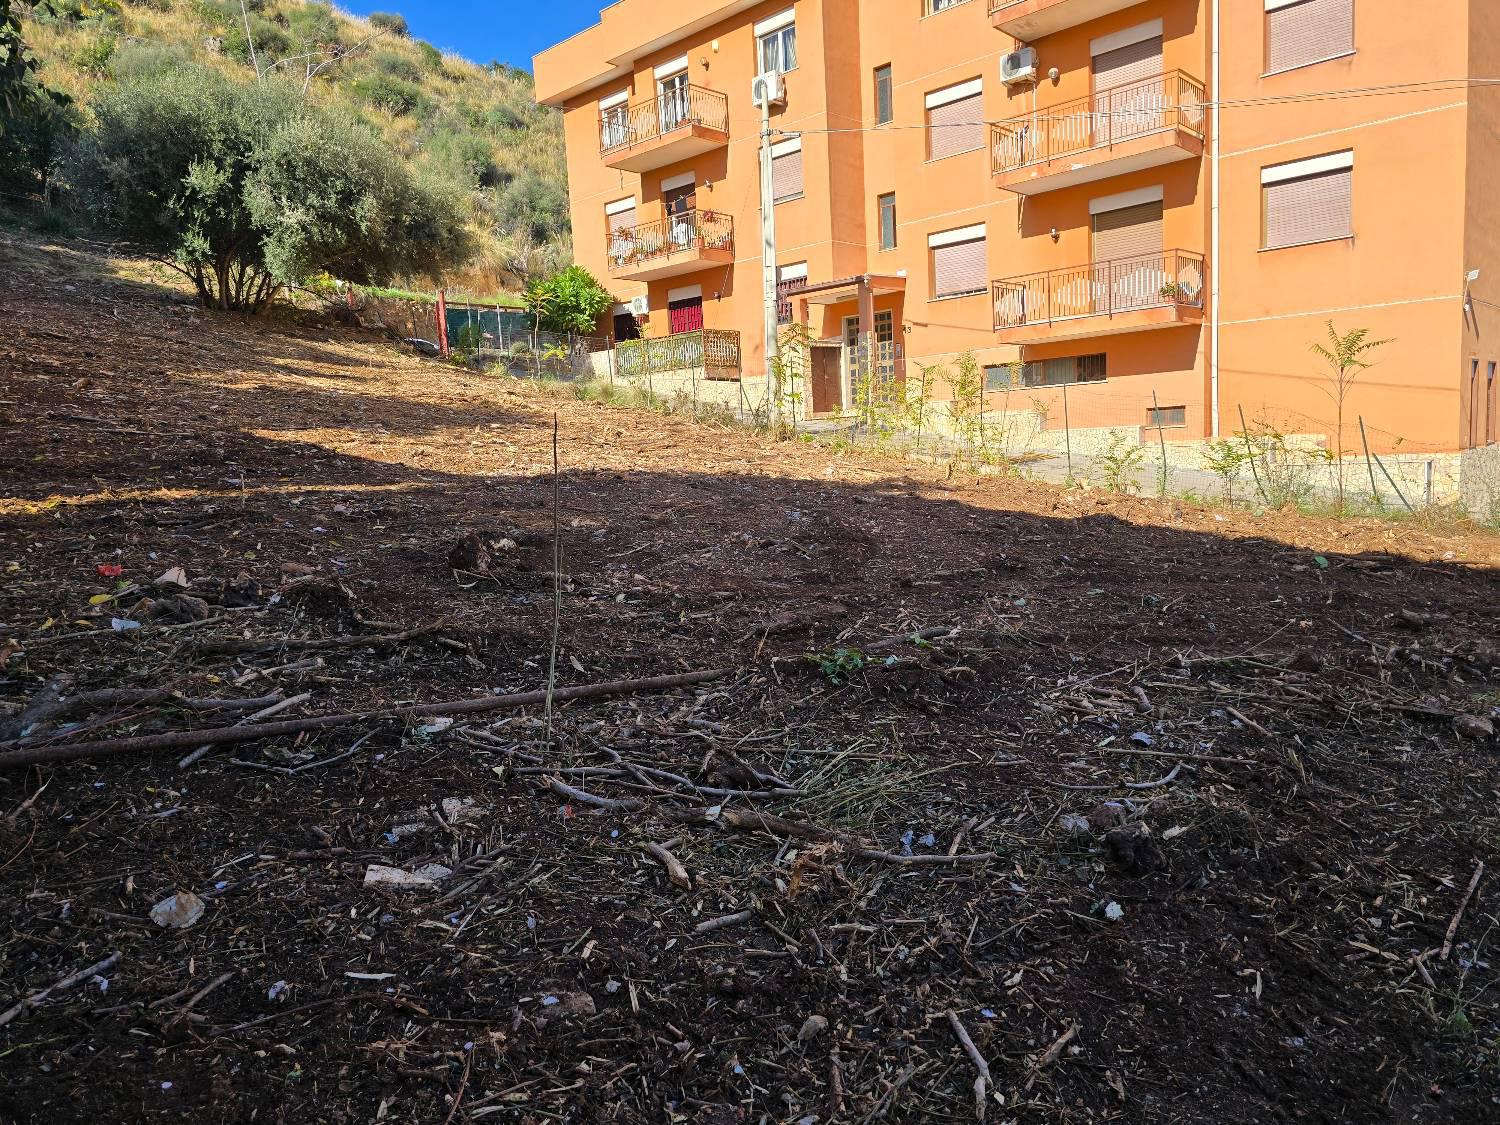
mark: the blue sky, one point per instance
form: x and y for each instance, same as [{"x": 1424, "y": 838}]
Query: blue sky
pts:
[{"x": 508, "y": 30}]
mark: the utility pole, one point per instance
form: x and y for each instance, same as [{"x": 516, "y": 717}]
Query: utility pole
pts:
[{"x": 768, "y": 253}]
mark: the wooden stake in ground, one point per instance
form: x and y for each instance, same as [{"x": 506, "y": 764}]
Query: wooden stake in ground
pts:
[{"x": 556, "y": 581}]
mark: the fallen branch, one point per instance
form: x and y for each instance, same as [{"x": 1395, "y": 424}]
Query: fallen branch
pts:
[
  {"x": 1462, "y": 906},
  {"x": 1054, "y": 1052},
  {"x": 265, "y": 713},
  {"x": 563, "y": 789},
  {"x": 35, "y": 1000},
  {"x": 981, "y": 1083},
  {"x": 675, "y": 871},
  {"x": 710, "y": 924},
  {"x": 315, "y": 644},
  {"x": 23, "y": 754}
]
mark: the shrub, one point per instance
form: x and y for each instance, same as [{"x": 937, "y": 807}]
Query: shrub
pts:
[
  {"x": 389, "y": 22},
  {"x": 393, "y": 95},
  {"x": 146, "y": 60},
  {"x": 533, "y": 208},
  {"x": 569, "y": 301},
  {"x": 244, "y": 188},
  {"x": 271, "y": 41},
  {"x": 313, "y": 26},
  {"x": 466, "y": 157},
  {"x": 432, "y": 58},
  {"x": 398, "y": 66},
  {"x": 94, "y": 56}
]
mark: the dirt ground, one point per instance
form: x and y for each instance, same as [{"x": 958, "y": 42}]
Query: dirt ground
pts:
[{"x": 1173, "y": 812}]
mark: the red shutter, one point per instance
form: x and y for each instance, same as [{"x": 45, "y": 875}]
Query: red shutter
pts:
[
  {"x": 959, "y": 268},
  {"x": 956, "y": 127},
  {"x": 1305, "y": 32},
  {"x": 1310, "y": 209},
  {"x": 685, "y": 316},
  {"x": 786, "y": 175}
]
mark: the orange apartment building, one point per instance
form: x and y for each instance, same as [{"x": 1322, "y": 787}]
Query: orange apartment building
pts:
[{"x": 1150, "y": 201}]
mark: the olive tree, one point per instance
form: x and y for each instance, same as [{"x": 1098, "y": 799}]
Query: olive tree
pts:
[{"x": 245, "y": 189}]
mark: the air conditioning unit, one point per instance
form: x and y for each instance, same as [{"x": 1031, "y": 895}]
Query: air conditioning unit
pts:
[
  {"x": 1018, "y": 66},
  {"x": 640, "y": 306},
  {"x": 768, "y": 90}
]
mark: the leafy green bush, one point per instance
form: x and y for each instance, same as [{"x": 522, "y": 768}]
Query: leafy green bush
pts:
[
  {"x": 394, "y": 65},
  {"x": 146, "y": 60},
  {"x": 533, "y": 207},
  {"x": 464, "y": 156},
  {"x": 271, "y": 41},
  {"x": 394, "y": 95},
  {"x": 94, "y": 56},
  {"x": 570, "y": 301},
  {"x": 244, "y": 188},
  {"x": 432, "y": 58},
  {"x": 312, "y": 26},
  {"x": 389, "y": 22}
]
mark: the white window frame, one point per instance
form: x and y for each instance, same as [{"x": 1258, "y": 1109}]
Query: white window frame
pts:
[{"x": 782, "y": 29}]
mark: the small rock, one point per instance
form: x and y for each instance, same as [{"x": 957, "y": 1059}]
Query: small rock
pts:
[
  {"x": 1472, "y": 726},
  {"x": 1074, "y": 825},
  {"x": 461, "y": 810},
  {"x": 1114, "y": 911},
  {"x": 377, "y": 875},
  {"x": 812, "y": 1027},
  {"x": 1132, "y": 848},
  {"x": 1108, "y": 814},
  {"x": 565, "y": 1005},
  {"x": 179, "y": 911}
]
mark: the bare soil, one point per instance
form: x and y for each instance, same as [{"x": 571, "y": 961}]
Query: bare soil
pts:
[{"x": 1270, "y": 706}]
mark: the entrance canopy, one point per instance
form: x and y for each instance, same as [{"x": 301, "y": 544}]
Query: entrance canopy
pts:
[{"x": 846, "y": 289}]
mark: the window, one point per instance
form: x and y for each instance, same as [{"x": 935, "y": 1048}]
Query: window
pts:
[
  {"x": 958, "y": 262},
  {"x": 1302, "y": 32},
  {"x": 1067, "y": 369},
  {"x": 619, "y": 222},
  {"x": 931, "y": 6},
  {"x": 997, "y": 377},
  {"x": 885, "y": 206},
  {"x": 1166, "y": 417},
  {"x": 788, "y": 278},
  {"x": 955, "y": 120},
  {"x": 614, "y": 121},
  {"x": 685, "y": 309},
  {"x": 786, "y": 170},
  {"x": 883, "y": 109},
  {"x": 776, "y": 43},
  {"x": 1307, "y": 201},
  {"x": 1490, "y": 404},
  {"x": 672, "y": 94}
]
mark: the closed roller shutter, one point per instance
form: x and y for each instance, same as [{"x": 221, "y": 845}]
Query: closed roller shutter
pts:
[
  {"x": 955, "y": 127},
  {"x": 958, "y": 268},
  {"x": 786, "y": 175},
  {"x": 1129, "y": 232},
  {"x": 621, "y": 220},
  {"x": 1125, "y": 65},
  {"x": 1310, "y": 209},
  {"x": 1309, "y": 30}
]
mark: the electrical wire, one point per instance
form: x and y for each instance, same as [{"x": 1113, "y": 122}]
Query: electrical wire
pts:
[{"x": 1429, "y": 86}]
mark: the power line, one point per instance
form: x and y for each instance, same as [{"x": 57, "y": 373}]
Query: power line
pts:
[{"x": 1430, "y": 86}]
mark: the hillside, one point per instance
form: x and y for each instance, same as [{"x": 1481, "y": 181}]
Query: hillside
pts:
[{"x": 477, "y": 126}]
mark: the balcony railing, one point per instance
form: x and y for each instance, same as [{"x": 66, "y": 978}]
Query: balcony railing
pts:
[
  {"x": 1172, "y": 278},
  {"x": 1105, "y": 118},
  {"x": 626, "y": 126},
  {"x": 687, "y": 232},
  {"x": 714, "y": 350}
]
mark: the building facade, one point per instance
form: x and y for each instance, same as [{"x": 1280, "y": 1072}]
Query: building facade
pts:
[{"x": 1155, "y": 204}]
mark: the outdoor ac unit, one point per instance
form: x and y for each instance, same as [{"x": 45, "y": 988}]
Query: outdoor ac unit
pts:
[
  {"x": 768, "y": 90},
  {"x": 1018, "y": 66},
  {"x": 639, "y": 306}
]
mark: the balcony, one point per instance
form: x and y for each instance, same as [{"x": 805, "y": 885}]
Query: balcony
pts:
[
  {"x": 672, "y": 126},
  {"x": 1029, "y": 20},
  {"x": 1103, "y": 299},
  {"x": 1140, "y": 125},
  {"x": 715, "y": 351},
  {"x": 678, "y": 244}
]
